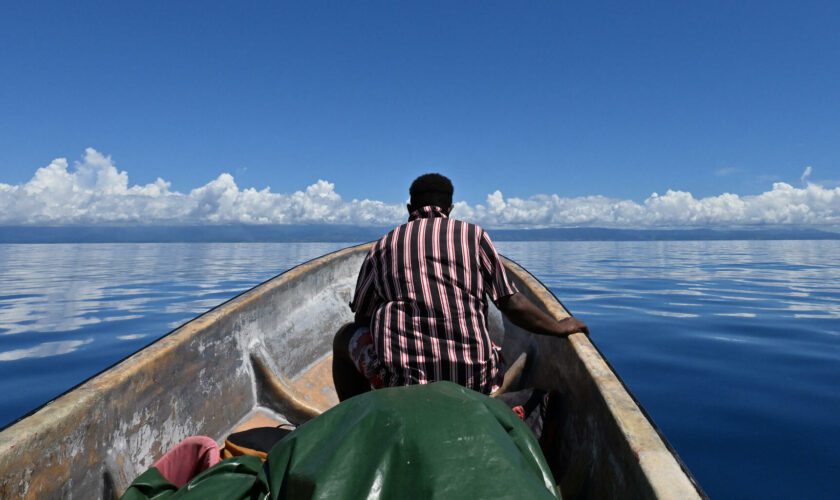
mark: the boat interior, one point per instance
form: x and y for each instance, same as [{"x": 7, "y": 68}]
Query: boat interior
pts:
[{"x": 264, "y": 359}]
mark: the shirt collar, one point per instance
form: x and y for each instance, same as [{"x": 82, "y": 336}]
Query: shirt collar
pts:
[{"x": 427, "y": 212}]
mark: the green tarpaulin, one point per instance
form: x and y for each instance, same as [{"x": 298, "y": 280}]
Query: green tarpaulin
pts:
[
  {"x": 232, "y": 479},
  {"x": 429, "y": 441}
]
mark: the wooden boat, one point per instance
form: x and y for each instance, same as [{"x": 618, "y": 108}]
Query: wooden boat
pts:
[{"x": 264, "y": 356}]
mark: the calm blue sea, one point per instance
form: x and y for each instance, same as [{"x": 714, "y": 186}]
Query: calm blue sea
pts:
[{"x": 732, "y": 347}]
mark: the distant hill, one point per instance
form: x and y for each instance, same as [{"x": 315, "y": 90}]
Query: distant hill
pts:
[
  {"x": 605, "y": 234},
  {"x": 341, "y": 233},
  {"x": 188, "y": 234}
]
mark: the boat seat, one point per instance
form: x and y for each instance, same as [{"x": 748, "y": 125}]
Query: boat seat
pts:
[{"x": 513, "y": 376}]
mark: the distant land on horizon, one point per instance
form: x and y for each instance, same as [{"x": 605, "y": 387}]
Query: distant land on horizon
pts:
[{"x": 344, "y": 233}]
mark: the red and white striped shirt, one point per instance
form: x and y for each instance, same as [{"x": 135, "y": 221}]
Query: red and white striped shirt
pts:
[{"x": 423, "y": 285}]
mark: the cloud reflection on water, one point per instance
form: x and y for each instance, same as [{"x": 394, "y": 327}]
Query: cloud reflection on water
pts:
[
  {"x": 738, "y": 279},
  {"x": 44, "y": 350},
  {"x": 126, "y": 291}
]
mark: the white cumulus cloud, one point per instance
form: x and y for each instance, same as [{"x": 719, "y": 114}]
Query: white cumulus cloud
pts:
[
  {"x": 806, "y": 174},
  {"x": 94, "y": 191}
]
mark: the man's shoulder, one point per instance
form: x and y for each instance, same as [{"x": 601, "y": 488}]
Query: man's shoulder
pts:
[
  {"x": 478, "y": 230},
  {"x": 382, "y": 241},
  {"x": 391, "y": 233}
]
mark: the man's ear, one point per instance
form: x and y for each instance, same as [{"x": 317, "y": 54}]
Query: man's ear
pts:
[
  {"x": 449, "y": 210},
  {"x": 408, "y": 207}
]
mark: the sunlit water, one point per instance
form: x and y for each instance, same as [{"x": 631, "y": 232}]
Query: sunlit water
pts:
[{"x": 732, "y": 347}]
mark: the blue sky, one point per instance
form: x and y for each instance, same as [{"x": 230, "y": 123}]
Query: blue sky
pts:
[{"x": 528, "y": 98}]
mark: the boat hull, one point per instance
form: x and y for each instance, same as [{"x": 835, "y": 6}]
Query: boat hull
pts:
[{"x": 267, "y": 351}]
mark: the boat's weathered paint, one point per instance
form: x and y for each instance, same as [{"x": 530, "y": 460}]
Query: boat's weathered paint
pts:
[{"x": 268, "y": 349}]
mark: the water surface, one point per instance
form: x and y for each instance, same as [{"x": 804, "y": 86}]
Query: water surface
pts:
[{"x": 732, "y": 347}]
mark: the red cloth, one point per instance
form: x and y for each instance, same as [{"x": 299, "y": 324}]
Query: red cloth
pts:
[{"x": 187, "y": 459}]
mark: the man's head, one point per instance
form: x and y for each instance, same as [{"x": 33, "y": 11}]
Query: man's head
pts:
[{"x": 431, "y": 189}]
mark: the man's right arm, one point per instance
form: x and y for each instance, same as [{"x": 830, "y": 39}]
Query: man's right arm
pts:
[{"x": 525, "y": 314}]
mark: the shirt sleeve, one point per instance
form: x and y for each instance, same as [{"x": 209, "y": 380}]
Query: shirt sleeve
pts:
[
  {"x": 365, "y": 299},
  {"x": 496, "y": 282}
]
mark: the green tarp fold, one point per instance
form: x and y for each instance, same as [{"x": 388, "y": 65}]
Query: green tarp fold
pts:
[{"x": 236, "y": 478}]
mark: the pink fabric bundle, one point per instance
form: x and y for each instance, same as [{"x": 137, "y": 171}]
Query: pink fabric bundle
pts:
[{"x": 187, "y": 459}]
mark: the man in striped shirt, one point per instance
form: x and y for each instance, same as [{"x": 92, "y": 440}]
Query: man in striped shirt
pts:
[{"x": 421, "y": 303}]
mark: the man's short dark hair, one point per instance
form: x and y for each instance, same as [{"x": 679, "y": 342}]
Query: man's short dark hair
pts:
[{"x": 431, "y": 189}]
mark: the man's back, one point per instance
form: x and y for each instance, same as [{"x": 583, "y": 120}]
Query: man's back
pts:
[
  {"x": 421, "y": 307},
  {"x": 423, "y": 285}
]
